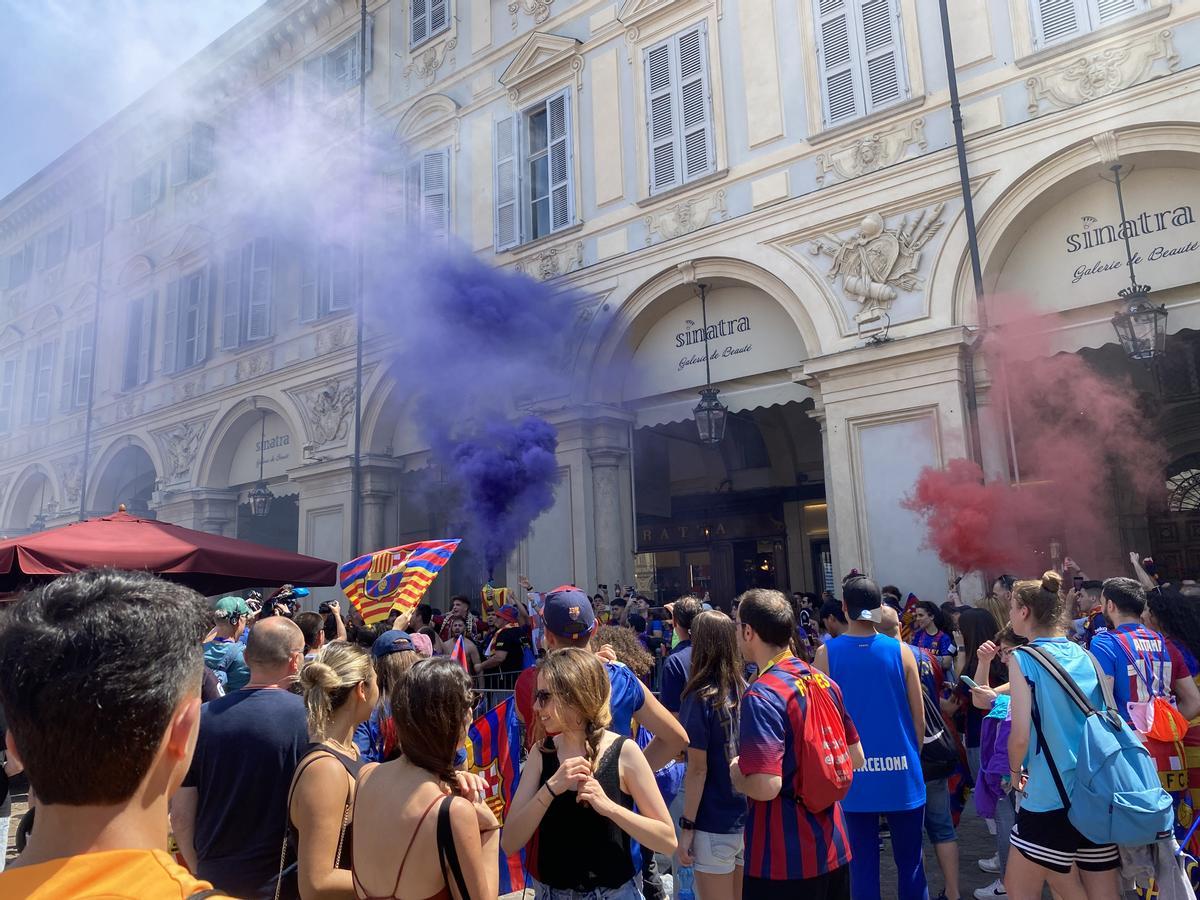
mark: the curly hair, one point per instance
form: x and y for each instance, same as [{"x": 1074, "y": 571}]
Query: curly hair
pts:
[
  {"x": 1177, "y": 614},
  {"x": 628, "y": 648}
]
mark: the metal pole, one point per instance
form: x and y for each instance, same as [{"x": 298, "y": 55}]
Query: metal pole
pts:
[
  {"x": 91, "y": 400},
  {"x": 704, "y": 322},
  {"x": 1116, "y": 170},
  {"x": 356, "y": 469}
]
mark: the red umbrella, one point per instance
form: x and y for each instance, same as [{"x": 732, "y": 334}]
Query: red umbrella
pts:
[{"x": 209, "y": 563}]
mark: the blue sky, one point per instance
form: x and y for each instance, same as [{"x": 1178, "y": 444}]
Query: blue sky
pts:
[{"x": 68, "y": 65}]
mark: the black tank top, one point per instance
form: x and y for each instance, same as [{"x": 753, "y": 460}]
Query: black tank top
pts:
[
  {"x": 352, "y": 767},
  {"x": 576, "y": 847}
]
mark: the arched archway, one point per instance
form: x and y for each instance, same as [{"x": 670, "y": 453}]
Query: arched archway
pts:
[
  {"x": 33, "y": 498},
  {"x": 125, "y": 475}
]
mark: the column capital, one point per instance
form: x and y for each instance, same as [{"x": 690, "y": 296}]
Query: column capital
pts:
[{"x": 603, "y": 457}]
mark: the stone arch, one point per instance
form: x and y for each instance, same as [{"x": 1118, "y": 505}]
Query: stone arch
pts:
[
  {"x": 626, "y": 326},
  {"x": 429, "y": 115},
  {"x": 223, "y": 437},
  {"x": 1055, "y": 177},
  {"x": 125, "y": 473},
  {"x": 26, "y": 498},
  {"x": 384, "y": 411},
  {"x": 134, "y": 270}
]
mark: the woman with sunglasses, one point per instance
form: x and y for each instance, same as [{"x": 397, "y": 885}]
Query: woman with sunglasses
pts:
[{"x": 575, "y": 804}]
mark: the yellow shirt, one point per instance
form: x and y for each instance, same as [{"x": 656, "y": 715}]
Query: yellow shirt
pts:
[{"x": 110, "y": 875}]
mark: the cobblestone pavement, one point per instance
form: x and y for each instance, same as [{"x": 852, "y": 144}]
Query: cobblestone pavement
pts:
[{"x": 974, "y": 843}]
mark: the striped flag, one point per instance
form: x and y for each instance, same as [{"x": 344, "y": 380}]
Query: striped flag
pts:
[
  {"x": 906, "y": 618},
  {"x": 459, "y": 654},
  {"x": 396, "y": 578},
  {"x": 494, "y": 751}
]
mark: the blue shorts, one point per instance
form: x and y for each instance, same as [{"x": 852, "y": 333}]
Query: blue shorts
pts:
[{"x": 939, "y": 823}]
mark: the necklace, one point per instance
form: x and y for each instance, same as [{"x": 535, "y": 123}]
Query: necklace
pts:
[{"x": 351, "y": 750}]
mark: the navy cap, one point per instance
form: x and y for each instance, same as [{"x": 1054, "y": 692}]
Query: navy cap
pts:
[
  {"x": 568, "y": 613},
  {"x": 393, "y": 641}
]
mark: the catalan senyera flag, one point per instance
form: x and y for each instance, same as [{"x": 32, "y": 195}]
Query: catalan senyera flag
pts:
[
  {"x": 396, "y": 578},
  {"x": 459, "y": 654},
  {"x": 492, "y": 599},
  {"x": 494, "y": 751},
  {"x": 906, "y": 618}
]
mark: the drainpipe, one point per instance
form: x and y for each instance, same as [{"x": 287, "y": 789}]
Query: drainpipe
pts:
[
  {"x": 964, "y": 178},
  {"x": 356, "y": 467},
  {"x": 91, "y": 398}
]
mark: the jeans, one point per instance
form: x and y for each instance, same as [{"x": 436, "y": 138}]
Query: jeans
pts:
[
  {"x": 906, "y": 827},
  {"x": 5, "y": 818},
  {"x": 1006, "y": 817},
  {"x": 939, "y": 820},
  {"x": 627, "y": 891}
]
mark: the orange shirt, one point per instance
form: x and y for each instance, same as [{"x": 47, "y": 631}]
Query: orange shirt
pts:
[{"x": 111, "y": 875}]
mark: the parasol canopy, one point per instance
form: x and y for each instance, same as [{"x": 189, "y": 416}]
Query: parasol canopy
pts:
[{"x": 208, "y": 563}]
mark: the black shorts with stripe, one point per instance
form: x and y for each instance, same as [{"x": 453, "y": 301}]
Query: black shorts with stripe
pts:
[{"x": 1051, "y": 841}]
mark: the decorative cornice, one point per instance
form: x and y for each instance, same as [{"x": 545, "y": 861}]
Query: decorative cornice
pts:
[
  {"x": 544, "y": 60},
  {"x": 552, "y": 262},
  {"x": 1104, "y": 72},
  {"x": 685, "y": 216}
]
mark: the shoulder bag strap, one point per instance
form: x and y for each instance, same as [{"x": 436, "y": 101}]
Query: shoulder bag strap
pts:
[
  {"x": 1044, "y": 748},
  {"x": 346, "y": 813},
  {"x": 447, "y": 852},
  {"x": 1062, "y": 676},
  {"x": 1124, "y": 640},
  {"x": 305, "y": 762}
]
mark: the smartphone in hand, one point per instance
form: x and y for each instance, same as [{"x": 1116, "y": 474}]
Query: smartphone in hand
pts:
[{"x": 968, "y": 681}]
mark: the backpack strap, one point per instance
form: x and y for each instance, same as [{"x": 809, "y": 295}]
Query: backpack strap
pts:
[
  {"x": 1125, "y": 641},
  {"x": 448, "y": 853},
  {"x": 1067, "y": 683},
  {"x": 1043, "y": 748}
]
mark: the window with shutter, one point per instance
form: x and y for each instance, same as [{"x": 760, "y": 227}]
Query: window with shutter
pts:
[
  {"x": 1111, "y": 10},
  {"x": 171, "y": 328},
  {"x": 434, "y": 170},
  {"x": 83, "y": 365},
  {"x": 309, "y": 274},
  {"x": 860, "y": 57},
  {"x": 507, "y": 218},
  {"x": 133, "y": 346},
  {"x": 8, "y": 387},
  {"x": 314, "y": 77},
  {"x": 43, "y": 376},
  {"x": 192, "y": 309},
  {"x": 334, "y": 279},
  {"x": 426, "y": 19},
  {"x": 880, "y": 35},
  {"x": 679, "y": 104},
  {"x": 147, "y": 189},
  {"x": 231, "y": 301},
  {"x": 258, "y": 315},
  {"x": 70, "y": 370},
  {"x": 663, "y": 141},
  {"x": 695, "y": 105},
  {"x": 835, "y": 55},
  {"x": 29, "y": 385},
  {"x": 145, "y": 362},
  {"x": 55, "y": 245},
  {"x": 1058, "y": 20},
  {"x": 562, "y": 201}
]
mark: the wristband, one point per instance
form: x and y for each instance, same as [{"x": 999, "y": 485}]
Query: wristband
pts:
[
  {"x": 686, "y": 824},
  {"x": 551, "y": 790}
]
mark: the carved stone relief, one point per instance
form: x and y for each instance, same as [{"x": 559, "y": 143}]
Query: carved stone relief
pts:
[
  {"x": 539, "y": 10},
  {"x": 179, "y": 445},
  {"x": 328, "y": 408},
  {"x": 552, "y": 262},
  {"x": 875, "y": 261},
  {"x": 70, "y": 474},
  {"x": 1103, "y": 72},
  {"x": 425, "y": 64},
  {"x": 686, "y": 216},
  {"x": 253, "y": 365},
  {"x": 335, "y": 337},
  {"x": 871, "y": 152}
]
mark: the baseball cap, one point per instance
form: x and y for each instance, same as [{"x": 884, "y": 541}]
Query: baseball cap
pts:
[
  {"x": 862, "y": 599},
  {"x": 421, "y": 643},
  {"x": 231, "y": 607},
  {"x": 508, "y": 613},
  {"x": 568, "y": 613},
  {"x": 393, "y": 641}
]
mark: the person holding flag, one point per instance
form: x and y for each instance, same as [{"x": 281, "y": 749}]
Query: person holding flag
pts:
[
  {"x": 505, "y": 654},
  {"x": 464, "y": 651}
]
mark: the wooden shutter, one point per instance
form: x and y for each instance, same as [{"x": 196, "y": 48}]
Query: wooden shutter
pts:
[
  {"x": 309, "y": 276},
  {"x": 882, "y": 60},
  {"x": 145, "y": 348},
  {"x": 1058, "y": 20},
  {"x": 45, "y": 377},
  {"x": 231, "y": 299},
  {"x": 357, "y": 70},
  {"x": 695, "y": 104},
  {"x": 29, "y": 385},
  {"x": 663, "y": 135},
  {"x": 8, "y": 387},
  {"x": 1111, "y": 10},
  {"x": 206, "y": 301},
  {"x": 507, "y": 218},
  {"x": 70, "y": 370},
  {"x": 435, "y": 194},
  {"x": 562, "y": 191},
  {"x": 171, "y": 328},
  {"x": 83, "y": 370},
  {"x": 840, "y": 92},
  {"x": 258, "y": 318},
  {"x": 133, "y": 343},
  {"x": 418, "y": 20},
  {"x": 412, "y": 195},
  {"x": 439, "y": 17},
  {"x": 341, "y": 278}
]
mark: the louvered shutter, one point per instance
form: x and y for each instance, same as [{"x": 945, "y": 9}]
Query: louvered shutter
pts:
[
  {"x": 439, "y": 16},
  {"x": 87, "y": 353},
  {"x": 309, "y": 277},
  {"x": 8, "y": 385},
  {"x": 1111, "y": 10},
  {"x": 412, "y": 195},
  {"x": 507, "y": 218},
  {"x": 883, "y": 78},
  {"x": 695, "y": 104},
  {"x": 435, "y": 194},
  {"x": 341, "y": 277},
  {"x": 562, "y": 193},
  {"x": 231, "y": 299},
  {"x": 45, "y": 377},
  {"x": 663, "y": 140},
  {"x": 314, "y": 77},
  {"x": 418, "y": 18},
  {"x": 133, "y": 343},
  {"x": 145, "y": 348},
  {"x": 258, "y": 319},
  {"x": 840, "y": 92},
  {"x": 205, "y": 303},
  {"x": 1058, "y": 20},
  {"x": 71, "y": 354},
  {"x": 171, "y": 328},
  {"x": 29, "y": 385},
  {"x": 370, "y": 46}
]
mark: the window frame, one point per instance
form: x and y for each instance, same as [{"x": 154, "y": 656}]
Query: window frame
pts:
[
  {"x": 419, "y": 189},
  {"x": 1088, "y": 21},
  {"x": 427, "y": 32},
  {"x": 318, "y": 281},
  {"x": 678, "y": 132},
  {"x": 10, "y": 366},
  {"x": 192, "y": 155},
  {"x": 63, "y": 228},
  {"x": 155, "y": 176},
  {"x": 175, "y": 321},
  {"x": 243, "y": 293},
  {"x": 859, "y": 62},
  {"x": 138, "y": 366}
]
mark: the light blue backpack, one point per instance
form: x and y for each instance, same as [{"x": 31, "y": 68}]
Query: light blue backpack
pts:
[{"x": 1118, "y": 798}]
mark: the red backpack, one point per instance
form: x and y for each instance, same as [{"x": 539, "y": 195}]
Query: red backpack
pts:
[{"x": 825, "y": 771}]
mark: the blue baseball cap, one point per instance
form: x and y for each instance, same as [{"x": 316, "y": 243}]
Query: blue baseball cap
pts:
[
  {"x": 394, "y": 641},
  {"x": 568, "y": 614}
]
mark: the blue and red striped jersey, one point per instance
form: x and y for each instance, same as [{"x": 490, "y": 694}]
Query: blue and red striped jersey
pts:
[{"x": 785, "y": 841}]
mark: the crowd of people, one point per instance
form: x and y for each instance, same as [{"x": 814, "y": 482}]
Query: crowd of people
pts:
[{"x": 773, "y": 748}]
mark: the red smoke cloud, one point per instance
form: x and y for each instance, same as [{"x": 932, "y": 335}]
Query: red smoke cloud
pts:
[{"x": 1081, "y": 437}]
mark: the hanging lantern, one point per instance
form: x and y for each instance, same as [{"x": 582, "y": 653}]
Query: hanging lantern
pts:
[
  {"x": 1141, "y": 326},
  {"x": 710, "y": 416},
  {"x": 260, "y": 496}
]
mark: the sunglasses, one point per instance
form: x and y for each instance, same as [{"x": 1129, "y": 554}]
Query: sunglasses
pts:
[{"x": 541, "y": 698}]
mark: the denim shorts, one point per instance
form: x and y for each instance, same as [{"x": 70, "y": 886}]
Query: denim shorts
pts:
[
  {"x": 627, "y": 891},
  {"x": 939, "y": 823},
  {"x": 717, "y": 854}
]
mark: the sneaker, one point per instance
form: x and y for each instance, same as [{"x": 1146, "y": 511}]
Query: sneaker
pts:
[
  {"x": 991, "y": 865},
  {"x": 993, "y": 890}
]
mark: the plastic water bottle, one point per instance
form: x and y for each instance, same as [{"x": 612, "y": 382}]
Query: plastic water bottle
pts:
[{"x": 687, "y": 880}]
